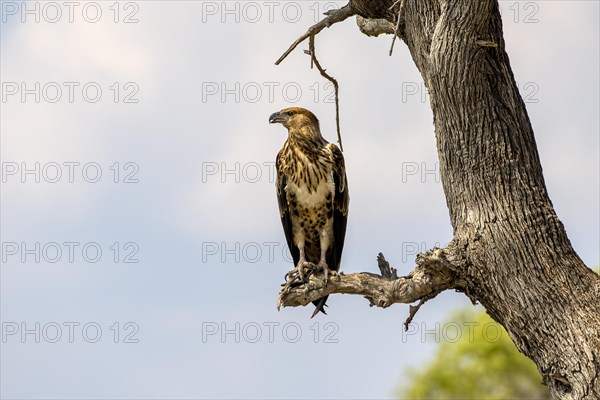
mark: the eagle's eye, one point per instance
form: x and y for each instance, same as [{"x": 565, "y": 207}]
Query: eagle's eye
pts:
[{"x": 290, "y": 113}]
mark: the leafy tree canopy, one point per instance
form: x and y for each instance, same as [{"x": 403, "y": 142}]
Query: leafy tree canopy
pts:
[{"x": 478, "y": 362}]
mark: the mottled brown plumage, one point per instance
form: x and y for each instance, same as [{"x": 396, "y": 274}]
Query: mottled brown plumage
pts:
[{"x": 312, "y": 192}]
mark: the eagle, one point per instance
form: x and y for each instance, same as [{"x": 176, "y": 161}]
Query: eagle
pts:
[{"x": 312, "y": 192}]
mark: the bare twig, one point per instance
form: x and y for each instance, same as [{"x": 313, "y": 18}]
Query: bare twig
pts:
[
  {"x": 333, "y": 16},
  {"x": 394, "y": 5},
  {"x": 432, "y": 275},
  {"x": 398, "y": 19},
  {"x": 315, "y": 61},
  {"x": 412, "y": 310},
  {"x": 384, "y": 266}
]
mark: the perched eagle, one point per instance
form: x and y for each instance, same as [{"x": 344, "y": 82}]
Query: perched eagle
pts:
[{"x": 313, "y": 194}]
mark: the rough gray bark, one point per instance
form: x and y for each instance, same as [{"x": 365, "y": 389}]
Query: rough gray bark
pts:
[{"x": 510, "y": 251}]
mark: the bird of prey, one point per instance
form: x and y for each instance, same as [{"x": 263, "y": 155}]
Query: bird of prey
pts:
[{"x": 312, "y": 192}]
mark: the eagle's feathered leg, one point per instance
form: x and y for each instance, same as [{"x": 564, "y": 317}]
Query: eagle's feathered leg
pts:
[
  {"x": 298, "y": 272},
  {"x": 322, "y": 265},
  {"x": 325, "y": 245}
]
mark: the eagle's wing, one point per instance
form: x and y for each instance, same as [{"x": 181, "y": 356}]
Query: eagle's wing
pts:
[
  {"x": 340, "y": 206},
  {"x": 284, "y": 209}
]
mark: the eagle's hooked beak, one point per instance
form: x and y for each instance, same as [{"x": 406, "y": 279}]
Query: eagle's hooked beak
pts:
[{"x": 276, "y": 117}]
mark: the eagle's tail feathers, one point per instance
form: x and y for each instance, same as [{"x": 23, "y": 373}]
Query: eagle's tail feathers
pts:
[{"x": 319, "y": 306}]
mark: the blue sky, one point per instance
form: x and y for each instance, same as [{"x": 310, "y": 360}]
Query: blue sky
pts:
[{"x": 180, "y": 301}]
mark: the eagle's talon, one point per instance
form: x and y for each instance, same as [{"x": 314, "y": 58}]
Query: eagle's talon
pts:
[
  {"x": 322, "y": 266},
  {"x": 297, "y": 274}
]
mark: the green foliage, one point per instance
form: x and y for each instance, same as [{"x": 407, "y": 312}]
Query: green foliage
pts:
[{"x": 481, "y": 363}]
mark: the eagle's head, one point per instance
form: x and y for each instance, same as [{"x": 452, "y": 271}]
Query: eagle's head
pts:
[{"x": 294, "y": 117}]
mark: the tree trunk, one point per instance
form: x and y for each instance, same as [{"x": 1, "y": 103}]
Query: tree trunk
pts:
[{"x": 510, "y": 250}]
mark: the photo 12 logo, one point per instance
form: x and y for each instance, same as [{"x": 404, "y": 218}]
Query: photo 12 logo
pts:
[
  {"x": 420, "y": 171},
  {"x": 410, "y": 250},
  {"x": 247, "y": 252},
  {"x": 69, "y": 332},
  {"x": 69, "y": 92},
  {"x": 417, "y": 92},
  {"x": 53, "y": 12},
  {"x": 237, "y": 172},
  {"x": 526, "y": 12},
  {"x": 451, "y": 332},
  {"x": 268, "y": 332},
  {"x": 253, "y": 12},
  {"x": 71, "y": 252},
  {"x": 68, "y": 171},
  {"x": 267, "y": 92}
]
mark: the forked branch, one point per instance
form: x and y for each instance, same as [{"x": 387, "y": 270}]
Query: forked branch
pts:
[{"x": 333, "y": 17}]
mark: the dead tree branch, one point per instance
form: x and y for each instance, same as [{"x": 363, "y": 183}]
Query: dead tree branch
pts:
[
  {"x": 399, "y": 18},
  {"x": 432, "y": 275},
  {"x": 333, "y": 17}
]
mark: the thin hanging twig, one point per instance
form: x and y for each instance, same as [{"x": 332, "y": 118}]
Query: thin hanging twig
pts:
[
  {"x": 398, "y": 18},
  {"x": 315, "y": 61}
]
